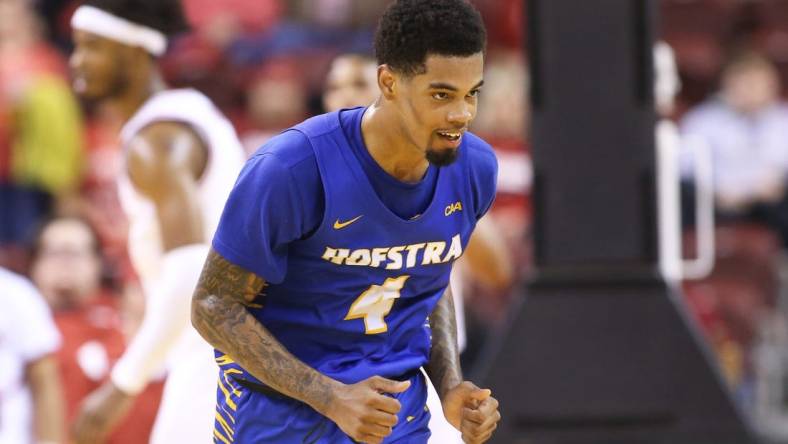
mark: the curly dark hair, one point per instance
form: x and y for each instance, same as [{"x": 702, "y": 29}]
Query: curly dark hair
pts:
[
  {"x": 411, "y": 30},
  {"x": 162, "y": 15}
]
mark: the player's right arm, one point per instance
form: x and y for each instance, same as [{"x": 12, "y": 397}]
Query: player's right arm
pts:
[
  {"x": 277, "y": 200},
  {"x": 219, "y": 313}
]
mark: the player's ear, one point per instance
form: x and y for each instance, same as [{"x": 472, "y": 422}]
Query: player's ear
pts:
[{"x": 387, "y": 81}]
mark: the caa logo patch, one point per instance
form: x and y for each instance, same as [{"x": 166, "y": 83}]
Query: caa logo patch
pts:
[{"x": 456, "y": 206}]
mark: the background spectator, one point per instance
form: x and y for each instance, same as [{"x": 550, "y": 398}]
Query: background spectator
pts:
[
  {"x": 276, "y": 99},
  {"x": 40, "y": 129},
  {"x": 746, "y": 127},
  {"x": 67, "y": 268}
]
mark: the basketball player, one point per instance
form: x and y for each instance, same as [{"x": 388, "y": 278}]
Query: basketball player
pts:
[
  {"x": 182, "y": 157},
  {"x": 351, "y": 81},
  {"x": 325, "y": 290},
  {"x": 31, "y": 399}
]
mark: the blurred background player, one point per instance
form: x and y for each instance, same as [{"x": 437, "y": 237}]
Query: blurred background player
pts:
[
  {"x": 352, "y": 81},
  {"x": 182, "y": 157},
  {"x": 31, "y": 401},
  {"x": 68, "y": 269}
]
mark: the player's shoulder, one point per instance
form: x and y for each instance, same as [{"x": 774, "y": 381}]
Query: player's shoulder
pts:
[
  {"x": 183, "y": 99},
  {"x": 161, "y": 151},
  {"x": 18, "y": 291},
  {"x": 169, "y": 116},
  {"x": 290, "y": 148},
  {"x": 781, "y": 110},
  {"x": 164, "y": 133},
  {"x": 15, "y": 283},
  {"x": 296, "y": 144},
  {"x": 483, "y": 169},
  {"x": 285, "y": 160},
  {"x": 183, "y": 106},
  {"x": 481, "y": 156},
  {"x": 320, "y": 125}
]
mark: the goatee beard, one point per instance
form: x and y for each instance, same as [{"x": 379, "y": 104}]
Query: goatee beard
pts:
[{"x": 441, "y": 158}]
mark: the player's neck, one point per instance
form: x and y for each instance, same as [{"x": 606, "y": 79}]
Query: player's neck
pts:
[
  {"x": 390, "y": 148},
  {"x": 130, "y": 101}
]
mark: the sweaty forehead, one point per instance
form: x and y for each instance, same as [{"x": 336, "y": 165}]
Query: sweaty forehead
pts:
[
  {"x": 84, "y": 36},
  {"x": 461, "y": 72},
  {"x": 81, "y": 37}
]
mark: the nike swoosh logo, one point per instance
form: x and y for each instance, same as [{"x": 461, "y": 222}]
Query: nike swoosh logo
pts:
[{"x": 340, "y": 225}]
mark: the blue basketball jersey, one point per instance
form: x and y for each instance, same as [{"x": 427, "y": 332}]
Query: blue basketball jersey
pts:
[{"x": 357, "y": 293}]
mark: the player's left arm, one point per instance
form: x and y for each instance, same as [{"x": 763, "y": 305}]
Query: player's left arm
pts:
[
  {"x": 444, "y": 366},
  {"x": 164, "y": 162},
  {"x": 471, "y": 410}
]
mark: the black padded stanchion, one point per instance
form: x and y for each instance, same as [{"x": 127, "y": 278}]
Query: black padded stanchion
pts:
[{"x": 600, "y": 349}]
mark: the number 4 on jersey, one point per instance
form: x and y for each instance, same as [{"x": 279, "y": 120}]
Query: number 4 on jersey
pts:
[{"x": 375, "y": 303}]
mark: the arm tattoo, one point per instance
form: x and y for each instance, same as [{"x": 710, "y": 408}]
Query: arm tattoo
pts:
[
  {"x": 444, "y": 366},
  {"x": 219, "y": 313}
]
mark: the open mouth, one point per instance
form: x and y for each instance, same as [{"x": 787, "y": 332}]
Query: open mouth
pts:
[
  {"x": 451, "y": 136},
  {"x": 79, "y": 83}
]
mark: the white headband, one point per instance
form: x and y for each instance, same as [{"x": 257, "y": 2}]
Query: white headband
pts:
[{"x": 99, "y": 22}]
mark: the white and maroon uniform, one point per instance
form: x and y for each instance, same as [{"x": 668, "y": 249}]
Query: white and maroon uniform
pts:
[{"x": 166, "y": 336}]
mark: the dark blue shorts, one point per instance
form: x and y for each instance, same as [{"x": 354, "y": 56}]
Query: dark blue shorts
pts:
[{"x": 248, "y": 416}]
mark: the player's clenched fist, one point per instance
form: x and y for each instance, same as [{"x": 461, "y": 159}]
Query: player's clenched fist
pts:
[
  {"x": 472, "y": 411},
  {"x": 363, "y": 411}
]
